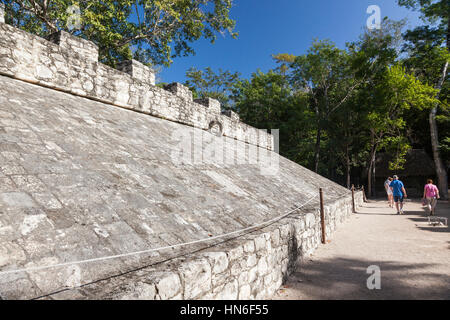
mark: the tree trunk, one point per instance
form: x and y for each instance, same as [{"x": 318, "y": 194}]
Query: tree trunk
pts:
[
  {"x": 370, "y": 174},
  {"x": 317, "y": 148},
  {"x": 347, "y": 167},
  {"x": 371, "y": 166},
  {"x": 441, "y": 171}
]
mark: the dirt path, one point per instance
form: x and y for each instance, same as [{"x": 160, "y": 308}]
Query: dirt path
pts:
[{"x": 414, "y": 258}]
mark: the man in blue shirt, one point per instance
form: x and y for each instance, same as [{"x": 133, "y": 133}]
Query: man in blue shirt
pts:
[{"x": 399, "y": 192}]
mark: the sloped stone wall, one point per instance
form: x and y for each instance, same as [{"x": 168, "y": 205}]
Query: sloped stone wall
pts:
[
  {"x": 250, "y": 267},
  {"x": 70, "y": 64}
]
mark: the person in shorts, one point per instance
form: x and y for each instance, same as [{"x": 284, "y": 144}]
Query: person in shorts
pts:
[
  {"x": 430, "y": 196},
  {"x": 399, "y": 193},
  {"x": 389, "y": 192}
]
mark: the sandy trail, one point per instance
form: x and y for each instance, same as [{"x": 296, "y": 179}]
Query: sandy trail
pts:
[{"x": 413, "y": 256}]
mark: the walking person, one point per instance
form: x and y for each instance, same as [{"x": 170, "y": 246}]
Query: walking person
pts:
[
  {"x": 399, "y": 192},
  {"x": 430, "y": 196},
  {"x": 389, "y": 192}
]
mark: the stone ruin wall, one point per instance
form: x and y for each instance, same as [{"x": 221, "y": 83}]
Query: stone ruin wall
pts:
[
  {"x": 70, "y": 64},
  {"x": 253, "y": 266}
]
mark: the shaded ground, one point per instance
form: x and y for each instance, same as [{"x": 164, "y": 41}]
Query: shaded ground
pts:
[{"x": 413, "y": 256}]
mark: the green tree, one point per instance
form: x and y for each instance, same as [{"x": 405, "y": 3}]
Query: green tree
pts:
[
  {"x": 152, "y": 31},
  {"x": 429, "y": 48},
  {"x": 267, "y": 101},
  {"x": 394, "y": 95},
  {"x": 325, "y": 73},
  {"x": 207, "y": 83}
]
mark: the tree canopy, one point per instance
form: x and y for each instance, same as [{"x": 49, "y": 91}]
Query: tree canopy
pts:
[{"x": 152, "y": 31}]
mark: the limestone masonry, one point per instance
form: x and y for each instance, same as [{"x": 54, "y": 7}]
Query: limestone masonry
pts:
[
  {"x": 70, "y": 64},
  {"x": 84, "y": 176}
]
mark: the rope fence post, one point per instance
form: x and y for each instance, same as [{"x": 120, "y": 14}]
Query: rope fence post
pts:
[
  {"x": 364, "y": 194},
  {"x": 353, "y": 198},
  {"x": 322, "y": 216}
]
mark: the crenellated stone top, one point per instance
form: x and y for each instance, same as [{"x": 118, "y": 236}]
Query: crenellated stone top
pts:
[
  {"x": 180, "y": 90},
  {"x": 233, "y": 115},
  {"x": 70, "y": 64},
  {"x": 138, "y": 71},
  {"x": 75, "y": 45},
  {"x": 211, "y": 104}
]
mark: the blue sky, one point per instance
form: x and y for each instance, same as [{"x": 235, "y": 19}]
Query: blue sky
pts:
[{"x": 268, "y": 27}]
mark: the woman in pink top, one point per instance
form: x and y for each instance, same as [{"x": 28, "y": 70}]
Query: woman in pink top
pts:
[{"x": 430, "y": 196}]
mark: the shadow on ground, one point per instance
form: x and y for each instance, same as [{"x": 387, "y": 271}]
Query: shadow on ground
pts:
[{"x": 347, "y": 279}]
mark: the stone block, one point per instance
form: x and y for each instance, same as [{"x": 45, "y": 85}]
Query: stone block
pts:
[
  {"x": 219, "y": 279},
  {"x": 138, "y": 71},
  {"x": 138, "y": 291},
  {"x": 180, "y": 91},
  {"x": 72, "y": 45},
  {"x": 167, "y": 283},
  {"x": 232, "y": 115},
  {"x": 260, "y": 243},
  {"x": 229, "y": 291},
  {"x": 218, "y": 261},
  {"x": 235, "y": 253},
  {"x": 252, "y": 261},
  {"x": 245, "y": 292},
  {"x": 253, "y": 274},
  {"x": 212, "y": 104},
  {"x": 275, "y": 238},
  {"x": 262, "y": 267},
  {"x": 17, "y": 199},
  {"x": 243, "y": 278},
  {"x": 196, "y": 276},
  {"x": 310, "y": 220},
  {"x": 249, "y": 246}
]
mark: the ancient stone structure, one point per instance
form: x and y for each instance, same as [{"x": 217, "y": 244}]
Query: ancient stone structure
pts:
[
  {"x": 90, "y": 183},
  {"x": 70, "y": 64}
]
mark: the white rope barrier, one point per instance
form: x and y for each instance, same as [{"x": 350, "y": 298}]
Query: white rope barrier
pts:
[{"x": 157, "y": 249}]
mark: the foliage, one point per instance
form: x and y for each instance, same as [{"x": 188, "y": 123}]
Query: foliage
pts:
[
  {"x": 152, "y": 31},
  {"x": 207, "y": 83}
]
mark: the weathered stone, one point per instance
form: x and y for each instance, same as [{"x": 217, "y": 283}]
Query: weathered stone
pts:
[
  {"x": 245, "y": 292},
  {"x": 180, "y": 90},
  {"x": 196, "y": 277},
  {"x": 253, "y": 274},
  {"x": 229, "y": 291},
  {"x": 211, "y": 104},
  {"x": 310, "y": 220},
  {"x": 138, "y": 71},
  {"x": 262, "y": 267},
  {"x": 77, "y": 45},
  {"x": 16, "y": 199},
  {"x": 219, "y": 279},
  {"x": 275, "y": 238},
  {"x": 252, "y": 260},
  {"x": 260, "y": 242},
  {"x": 243, "y": 278},
  {"x": 235, "y": 253},
  {"x": 139, "y": 291},
  {"x": 168, "y": 284},
  {"x": 249, "y": 246},
  {"x": 218, "y": 261},
  {"x": 233, "y": 115}
]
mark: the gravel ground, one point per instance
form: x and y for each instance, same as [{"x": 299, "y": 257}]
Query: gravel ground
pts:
[{"x": 413, "y": 256}]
